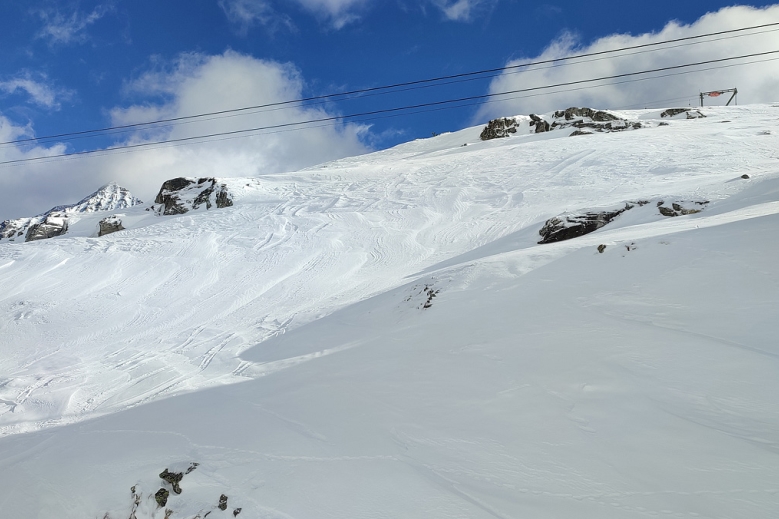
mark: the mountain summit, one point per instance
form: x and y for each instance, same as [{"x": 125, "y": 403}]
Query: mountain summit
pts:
[
  {"x": 110, "y": 197},
  {"x": 55, "y": 221}
]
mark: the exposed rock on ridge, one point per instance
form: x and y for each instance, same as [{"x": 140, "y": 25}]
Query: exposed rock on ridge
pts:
[
  {"x": 567, "y": 226},
  {"x": 55, "y": 224},
  {"x": 578, "y": 118},
  {"x": 181, "y": 195}
]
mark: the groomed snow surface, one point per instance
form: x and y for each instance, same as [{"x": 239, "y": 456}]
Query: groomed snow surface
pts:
[{"x": 283, "y": 344}]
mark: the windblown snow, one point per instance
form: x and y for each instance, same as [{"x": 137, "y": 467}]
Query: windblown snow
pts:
[{"x": 383, "y": 336}]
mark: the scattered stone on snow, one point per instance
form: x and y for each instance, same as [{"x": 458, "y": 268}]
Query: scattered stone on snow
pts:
[
  {"x": 690, "y": 113},
  {"x": 236, "y": 512},
  {"x": 181, "y": 195},
  {"x": 681, "y": 208},
  {"x": 222, "y": 502},
  {"x": 745, "y": 176},
  {"x": 601, "y": 248}
]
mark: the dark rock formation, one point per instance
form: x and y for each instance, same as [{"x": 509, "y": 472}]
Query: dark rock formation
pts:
[
  {"x": 595, "y": 115},
  {"x": 12, "y": 229},
  {"x": 562, "y": 228},
  {"x": 109, "y": 224},
  {"x": 236, "y": 512},
  {"x": 51, "y": 226},
  {"x": 499, "y": 128},
  {"x": 180, "y": 195},
  {"x": 601, "y": 248},
  {"x": 691, "y": 114},
  {"x": 539, "y": 124},
  {"x": 745, "y": 176},
  {"x": 174, "y": 478},
  {"x": 579, "y": 118},
  {"x": 565, "y": 227},
  {"x": 161, "y": 497},
  {"x": 681, "y": 208},
  {"x": 580, "y": 132},
  {"x": 222, "y": 502}
]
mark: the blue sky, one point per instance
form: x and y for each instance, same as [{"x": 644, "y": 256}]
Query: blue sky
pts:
[{"x": 75, "y": 65}]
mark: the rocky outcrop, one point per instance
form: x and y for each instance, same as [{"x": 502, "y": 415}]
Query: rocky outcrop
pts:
[
  {"x": 681, "y": 207},
  {"x": 689, "y": 112},
  {"x": 161, "y": 497},
  {"x": 109, "y": 224},
  {"x": 181, "y": 195},
  {"x": 585, "y": 121},
  {"x": 567, "y": 226},
  {"x": 498, "y": 128},
  {"x": 13, "y": 229},
  {"x": 51, "y": 226},
  {"x": 581, "y": 113}
]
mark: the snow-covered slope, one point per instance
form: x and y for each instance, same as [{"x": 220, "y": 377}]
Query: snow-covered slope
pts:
[{"x": 406, "y": 347}]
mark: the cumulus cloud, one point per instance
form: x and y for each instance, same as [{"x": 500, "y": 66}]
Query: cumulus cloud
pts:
[
  {"x": 63, "y": 29},
  {"x": 192, "y": 84},
  {"x": 37, "y": 89},
  {"x": 757, "y": 82}
]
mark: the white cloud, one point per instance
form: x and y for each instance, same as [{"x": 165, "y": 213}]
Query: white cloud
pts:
[
  {"x": 63, "y": 29},
  {"x": 756, "y": 83},
  {"x": 39, "y": 92},
  {"x": 337, "y": 13},
  {"x": 244, "y": 14},
  {"x": 462, "y": 10},
  {"x": 192, "y": 84}
]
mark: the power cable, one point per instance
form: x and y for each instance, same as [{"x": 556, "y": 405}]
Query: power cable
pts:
[
  {"x": 393, "y": 110},
  {"x": 173, "y": 144},
  {"x": 158, "y": 125},
  {"x": 386, "y": 87}
]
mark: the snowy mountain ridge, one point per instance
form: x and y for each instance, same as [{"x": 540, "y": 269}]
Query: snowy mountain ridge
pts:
[
  {"x": 110, "y": 197},
  {"x": 384, "y": 335},
  {"x": 57, "y": 220}
]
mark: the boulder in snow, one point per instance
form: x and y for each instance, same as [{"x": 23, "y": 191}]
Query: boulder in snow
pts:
[
  {"x": 567, "y": 226},
  {"x": 109, "y": 224},
  {"x": 55, "y": 224},
  {"x": 183, "y": 194}
]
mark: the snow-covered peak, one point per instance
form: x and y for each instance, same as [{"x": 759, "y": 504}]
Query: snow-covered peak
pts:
[{"x": 110, "y": 197}]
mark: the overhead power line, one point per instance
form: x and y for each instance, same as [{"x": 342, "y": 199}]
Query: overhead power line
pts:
[
  {"x": 379, "y": 88},
  {"x": 391, "y": 110}
]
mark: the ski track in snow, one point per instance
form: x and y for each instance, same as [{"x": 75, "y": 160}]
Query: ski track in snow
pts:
[{"x": 94, "y": 325}]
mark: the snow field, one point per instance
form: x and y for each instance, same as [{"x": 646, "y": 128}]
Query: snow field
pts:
[{"x": 543, "y": 381}]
